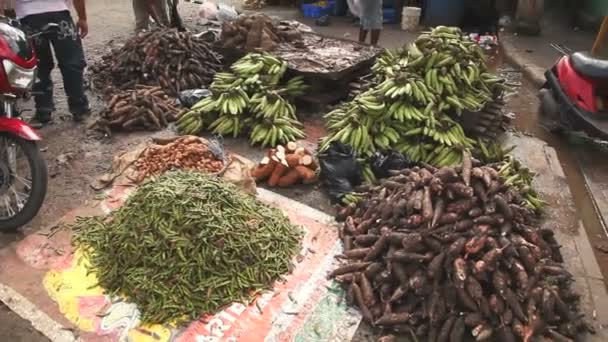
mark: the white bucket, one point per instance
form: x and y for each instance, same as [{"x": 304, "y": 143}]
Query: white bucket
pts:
[{"x": 410, "y": 18}]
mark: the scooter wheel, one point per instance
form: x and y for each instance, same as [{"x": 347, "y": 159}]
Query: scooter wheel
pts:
[
  {"x": 549, "y": 108},
  {"x": 31, "y": 186}
]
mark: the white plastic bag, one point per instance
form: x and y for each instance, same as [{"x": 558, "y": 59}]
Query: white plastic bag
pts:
[
  {"x": 226, "y": 13},
  {"x": 355, "y": 7},
  {"x": 208, "y": 10}
]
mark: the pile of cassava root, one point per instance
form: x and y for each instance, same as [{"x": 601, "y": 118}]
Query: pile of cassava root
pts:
[
  {"x": 144, "y": 108},
  {"x": 257, "y": 32},
  {"x": 286, "y": 166},
  {"x": 185, "y": 153},
  {"x": 450, "y": 254},
  {"x": 174, "y": 60}
]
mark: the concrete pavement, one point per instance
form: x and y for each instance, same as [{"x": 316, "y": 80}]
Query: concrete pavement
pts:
[{"x": 534, "y": 54}]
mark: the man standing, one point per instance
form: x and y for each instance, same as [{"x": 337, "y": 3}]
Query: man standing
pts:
[
  {"x": 66, "y": 43},
  {"x": 371, "y": 20},
  {"x": 145, "y": 8}
]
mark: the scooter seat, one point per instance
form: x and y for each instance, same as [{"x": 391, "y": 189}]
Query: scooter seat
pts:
[{"x": 589, "y": 66}]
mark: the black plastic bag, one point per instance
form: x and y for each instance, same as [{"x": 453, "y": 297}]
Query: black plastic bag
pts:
[
  {"x": 190, "y": 97},
  {"x": 383, "y": 162},
  {"x": 340, "y": 170}
]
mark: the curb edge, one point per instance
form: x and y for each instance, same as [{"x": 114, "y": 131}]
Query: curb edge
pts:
[{"x": 511, "y": 54}]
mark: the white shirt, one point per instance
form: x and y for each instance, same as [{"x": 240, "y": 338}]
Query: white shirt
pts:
[{"x": 23, "y": 8}]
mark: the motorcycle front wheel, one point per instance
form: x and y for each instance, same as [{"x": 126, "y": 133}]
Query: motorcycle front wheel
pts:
[{"x": 23, "y": 181}]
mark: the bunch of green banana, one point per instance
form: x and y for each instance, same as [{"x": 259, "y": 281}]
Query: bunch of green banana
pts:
[
  {"x": 270, "y": 105},
  {"x": 444, "y": 155},
  {"x": 275, "y": 132},
  {"x": 352, "y": 122},
  {"x": 208, "y": 104},
  {"x": 384, "y": 136},
  {"x": 224, "y": 81},
  {"x": 190, "y": 123},
  {"x": 371, "y": 104},
  {"x": 444, "y": 58},
  {"x": 389, "y": 62},
  {"x": 386, "y": 59},
  {"x": 516, "y": 175},
  {"x": 260, "y": 63},
  {"x": 249, "y": 98},
  {"x": 352, "y": 197},
  {"x": 233, "y": 101},
  {"x": 368, "y": 173},
  {"x": 448, "y": 132},
  {"x": 406, "y": 85},
  {"x": 228, "y": 125},
  {"x": 294, "y": 87},
  {"x": 451, "y": 39},
  {"x": 414, "y": 149},
  {"x": 253, "y": 83},
  {"x": 491, "y": 152},
  {"x": 403, "y": 111},
  {"x": 353, "y": 134}
]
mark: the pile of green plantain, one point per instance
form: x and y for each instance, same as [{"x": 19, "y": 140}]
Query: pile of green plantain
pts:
[
  {"x": 414, "y": 108},
  {"x": 512, "y": 172},
  {"x": 250, "y": 99},
  {"x": 186, "y": 244}
]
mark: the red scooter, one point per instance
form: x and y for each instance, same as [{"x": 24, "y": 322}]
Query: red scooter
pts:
[
  {"x": 575, "y": 95},
  {"x": 23, "y": 171}
]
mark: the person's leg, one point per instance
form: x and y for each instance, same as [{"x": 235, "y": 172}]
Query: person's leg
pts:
[
  {"x": 160, "y": 9},
  {"x": 43, "y": 88},
  {"x": 70, "y": 58},
  {"x": 362, "y": 35},
  {"x": 375, "y": 37},
  {"x": 142, "y": 15},
  {"x": 375, "y": 20}
]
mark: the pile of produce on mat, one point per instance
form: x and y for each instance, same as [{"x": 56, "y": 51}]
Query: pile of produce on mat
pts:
[
  {"x": 257, "y": 32},
  {"x": 452, "y": 254},
  {"x": 174, "y": 60},
  {"x": 186, "y": 153},
  {"x": 286, "y": 166},
  {"x": 254, "y": 4},
  {"x": 253, "y": 99},
  {"x": 421, "y": 93},
  {"x": 512, "y": 172},
  {"x": 186, "y": 244},
  {"x": 143, "y": 108}
]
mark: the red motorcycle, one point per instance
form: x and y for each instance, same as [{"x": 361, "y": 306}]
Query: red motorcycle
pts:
[
  {"x": 23, "y": 172},
  {"x": 575, "y": 96}
]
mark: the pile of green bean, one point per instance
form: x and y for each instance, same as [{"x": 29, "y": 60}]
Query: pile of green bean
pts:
[{"x": 186, "y": 244}]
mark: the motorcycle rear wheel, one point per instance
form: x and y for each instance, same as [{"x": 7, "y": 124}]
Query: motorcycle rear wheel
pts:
[{"x": 38, "y": 179}]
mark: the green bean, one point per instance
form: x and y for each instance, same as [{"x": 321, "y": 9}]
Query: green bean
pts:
[{"x": 186, "y": 244}]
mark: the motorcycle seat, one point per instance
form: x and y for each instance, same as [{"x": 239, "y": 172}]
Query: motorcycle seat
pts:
[{"x": 589, "y": 66}]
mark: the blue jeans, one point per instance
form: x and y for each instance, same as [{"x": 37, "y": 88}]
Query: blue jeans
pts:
[{"x": 70, "y": 57}]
